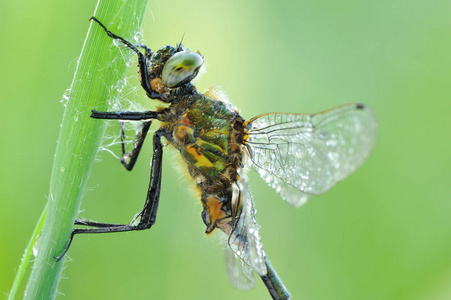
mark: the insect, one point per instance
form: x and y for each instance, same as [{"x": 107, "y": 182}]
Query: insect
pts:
[{"x": 300, "y": 155}]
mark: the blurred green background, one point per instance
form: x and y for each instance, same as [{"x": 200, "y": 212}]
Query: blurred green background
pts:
[{"x": 383, "y": 233}]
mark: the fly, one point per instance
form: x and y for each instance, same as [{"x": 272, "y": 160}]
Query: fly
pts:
[{"x": 299, "y": 155}]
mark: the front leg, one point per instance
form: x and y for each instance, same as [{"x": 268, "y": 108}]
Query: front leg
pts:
[
  {"x": 142, "y": 63},
  {"x": 144, "y": 219},
  {"x": 142, "y": 60}
]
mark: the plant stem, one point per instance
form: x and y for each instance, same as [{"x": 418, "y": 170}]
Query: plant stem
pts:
[
  {"x": 26, "y": 256},
  {"x": 80, "y": 136}
]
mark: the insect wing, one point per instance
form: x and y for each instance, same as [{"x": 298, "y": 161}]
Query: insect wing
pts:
[
  {"x": 240, "y": 274},
  {"x": 244, "y": 240},
  {"x": 302, "y": 155}
]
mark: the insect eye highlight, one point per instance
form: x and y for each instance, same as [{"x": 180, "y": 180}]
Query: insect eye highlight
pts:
[{"x": 181, "y": 68}]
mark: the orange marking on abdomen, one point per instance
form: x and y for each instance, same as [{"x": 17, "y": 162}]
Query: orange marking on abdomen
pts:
[{"x": 214, "y": 208}]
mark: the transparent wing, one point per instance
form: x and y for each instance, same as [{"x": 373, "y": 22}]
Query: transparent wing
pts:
[
  {"x": 244, "y": 238},
  {"x": 240, "y": 274},
  {"x": 302, "y": 155},
  {"x": 245, "y": 252}
]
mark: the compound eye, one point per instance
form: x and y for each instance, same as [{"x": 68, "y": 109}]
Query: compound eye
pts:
[{"x": 181, "y": 68}]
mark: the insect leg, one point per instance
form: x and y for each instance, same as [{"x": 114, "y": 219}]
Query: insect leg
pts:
[
  {"x": 125, "y": 115},
  {"x": 85, "y": 222},
  {"x": 148, "y": 53},
  {"x": 142, "y": 60},
  {"x": 128, "y": 159},
  {"x": 149, "y": 212}
]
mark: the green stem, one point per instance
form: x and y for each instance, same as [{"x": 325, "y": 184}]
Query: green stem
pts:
[
  {"x": 26, "y": 256},
  {"x": 81, "y": 136}
]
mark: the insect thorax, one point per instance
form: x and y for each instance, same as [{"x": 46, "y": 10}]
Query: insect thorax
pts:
[
  {"x": 208, "y": 133},
  {"x": 202, "y": 131}
]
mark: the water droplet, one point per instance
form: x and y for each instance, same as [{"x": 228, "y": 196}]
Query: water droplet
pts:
[
  {"x": 138, "y": 36},
  {"x": 65, "y": 97},
  {"x": 119, "y": 85},
  {"x": 36, "y": 244}
]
